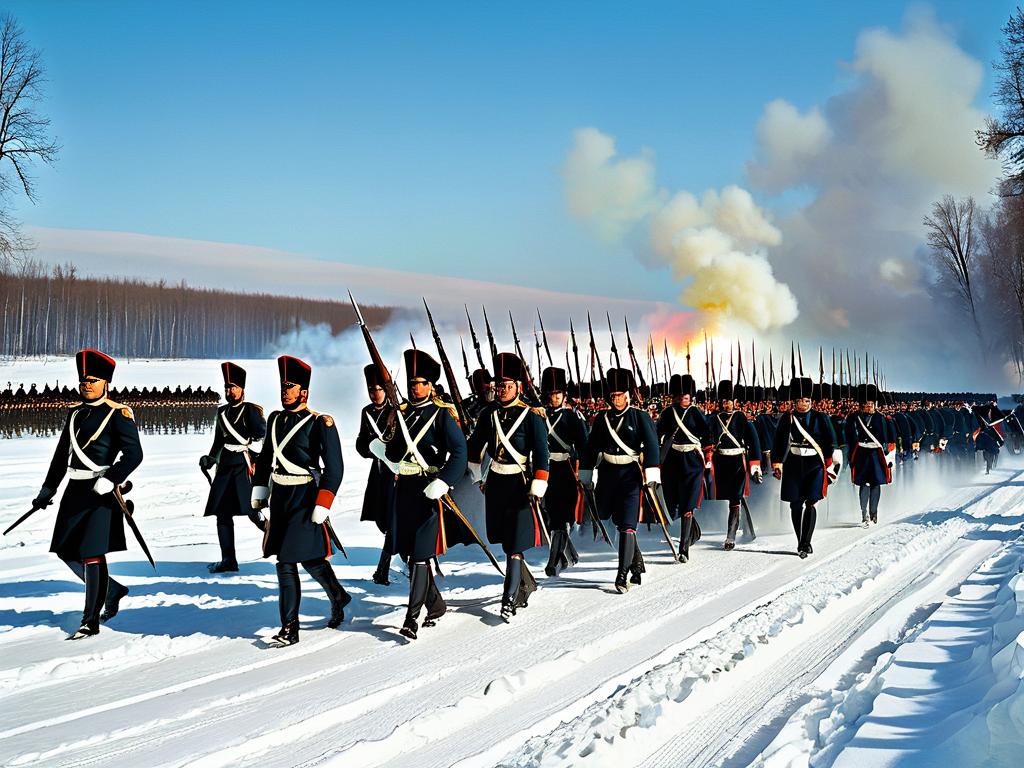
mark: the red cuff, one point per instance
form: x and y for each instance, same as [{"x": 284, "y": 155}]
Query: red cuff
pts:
[
  {"x": 540, "y": 474},
  {"x": 324, "y": 498},
  {"x": 755, "y": 463},
  {"x": 828, "y": 462},
  {"x": 892, "y": 447}
]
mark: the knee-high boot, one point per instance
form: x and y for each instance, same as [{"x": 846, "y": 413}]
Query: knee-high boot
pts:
[
  {"x": 513, "y": 578},
  {"x": 419, "y": 582},
  {"x": 436, "y": 606},
  {"x": 627, "y": 549},
  {"x": 322, "y": 571},
  {"x": 684, "y": 537},
  {"x": 289, "y": 596},
  {"x": 95, "y": 573},
  {"x": 734, "y": 524}
]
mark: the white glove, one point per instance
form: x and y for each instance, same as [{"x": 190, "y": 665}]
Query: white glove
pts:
[
  {"x": 378, "y": 447},
  {"x": 435, "y": 489},
  {"x": 320, "y": 514},
  {"x": 755, "y": 472},
  {"x": 653, "y": 475},
  {"x": 474, "y": 471},
  {"x": 587, "y": 478},
  {"x": 103, "y": 486},
  {"x": 709, "y": 465},
  {"x": 260, "y": 494},
  {"x": 538, "y": 488},
  {"x": 890, "y": 458},
  {"x": 942, "y": 443},
  {"x": 837, "y": 459}
]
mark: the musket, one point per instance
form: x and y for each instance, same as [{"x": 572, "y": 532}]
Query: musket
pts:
[
  {"x": 792, "y": 359},
  {"x": 707, "y": 362},
  {"x": 594, "y": 355},
  {"x": 732, "y": 377},
  {"x": 615, "y": 352},
  {"x": 465, "y": 360},
  {"x": 821, "y": 367},
  {"x": 833, "y": 366},
  {"x": 476, "y": 341},
  {"x": 540, "y": 361},
  {"x": 687, "y": 354},
  {"x": 390, "y": 391},
  {"x": 629, "y": 347},
  {"x": 741, "y": 377},
  {"x": 800, "y": 357},
  {"x": 531, "y": 390},
  {"x": 544, "y": 335},
  {"x": 35, "y": 508},
  {"x": 771, "y": 369},
  {"x": 753, "y": 362},
  {"x": 490, "y": 336},
  {"x": 575, "y": 352},
  {"x": 449, "y": 375}
]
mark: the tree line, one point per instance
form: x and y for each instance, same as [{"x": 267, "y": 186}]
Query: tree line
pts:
[{"x": 54, "y": 311}]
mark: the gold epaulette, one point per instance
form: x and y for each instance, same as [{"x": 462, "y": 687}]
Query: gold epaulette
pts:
[
  {"x": 447, "y": 406},
  {"x": 125, "y": 410},
  {"x": 539, "y": 412}
]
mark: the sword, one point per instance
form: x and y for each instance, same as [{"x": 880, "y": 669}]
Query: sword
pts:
[
  {"x": 334, "y": 537},
  {"x": 656, "y": 499},
  {"x": 535, "y": 506},
  {"x": 749, "y": 519},
  {"x": 206, "y": 472},
  {"x": 449, "y": 502},
  {"x": 131, "y": 521},
  {"x": 591, "y": 504}
]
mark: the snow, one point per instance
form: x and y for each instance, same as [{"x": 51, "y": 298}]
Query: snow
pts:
[{"x": 888, "y": 646}]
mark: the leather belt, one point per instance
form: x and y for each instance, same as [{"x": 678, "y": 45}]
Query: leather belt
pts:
[
  {"x": 282, "y": 478},
  {"x": 613, "y": 458},
  {"x": 558, "y": 456},
  {"x": 84, "y": 474},
  {"x": 685, "y": 447},
  {"x": 412, "y": 469},
  {"x": 730, "y": 451},
  {"x": 235, "y": 447},
  {"x": 869, "y": 445},
  {"x": 501, "y": 468}
]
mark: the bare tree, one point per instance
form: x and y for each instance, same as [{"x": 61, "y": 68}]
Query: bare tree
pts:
[
  {"x": 952, "y": 237},
  {"x": 24, "y": 132}
]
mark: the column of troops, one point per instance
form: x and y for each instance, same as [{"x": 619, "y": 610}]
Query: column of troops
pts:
[{"x": 599, "y": 455}]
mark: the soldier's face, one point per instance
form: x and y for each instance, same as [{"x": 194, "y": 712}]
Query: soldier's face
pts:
[
  {"x": 506, "y": 391},
  {"x": 619, "y": 400},
  {"x": 233, "y": 393},
  {"x": 869, "y": 406},
  {"x": 556, "y": 399},
  {"x": 292, "y": 395},
  {"x": 802, "y": 405},
  {"x": 92, "y": 388},
  {"x": 685, "y": 401},
  {"x": 727, "y": 406},
  {"x": 376, "y": 394},
  {"x": 419, "y": 390}
]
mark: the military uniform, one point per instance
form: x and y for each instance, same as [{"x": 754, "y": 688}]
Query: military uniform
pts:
[
  {"x": 97, "y": 450},
  {"x": 988, "y": 437},
  {"x": 379, "y": 495},
  {"x": 685, "y": 450},
  {"x": 238, "y": 427},
  {"x": 805, "y": 454},
  {"x": 563, "y": 502},
  {"x": 625, "y": 446},
  {"x": 736, "y": 457},
  {"x": 300, "y": 470},
  {"x": 515, "y": 438},
  {"x": 872, "y": 441}
]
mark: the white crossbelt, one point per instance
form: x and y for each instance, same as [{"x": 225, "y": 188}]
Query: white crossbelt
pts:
[
  {"x": 503, "y": 468},
  {"x": 873, "y": 443},
  {"x": 694, "y": 441},
  {"x": 293, "y": 469},
  {"x": 800, "y": 450},
  {"x": 93, "y": 470},
  {"x": 730, "y": 451},
  {"x": 614, "y": 458},
  {"x": 503, "y": 438},
  {"x": 553, "y": 456},
  {"x": 281, "y": 478},
  {"x": 629, "y": 455},
  {"x": 686, "y": 447}
]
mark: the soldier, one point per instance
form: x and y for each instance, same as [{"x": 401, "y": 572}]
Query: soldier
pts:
[
  {"x": 804, "y": 457},
  {"x": 304, "y": 462},
  {"x": 482, "y": 394},
  {"x": 988, "y": 437},
  {"x": 426, "y": 451},
  {"x": 685, "y": 450},
  {"x": 624, "y": 442},
  {"x": 514, "y": 436},
  {"x": 567, "y": 437},
  {"x": 98, "y": 449},
  {"x": 239, "y": 426},
  {"x": 736, "y": 457},
  {"x": 379, "y": 496},
  {"x": 872, "y": 441}
]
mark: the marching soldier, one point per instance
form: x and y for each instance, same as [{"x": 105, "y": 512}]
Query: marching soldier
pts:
[
  {"x": 98, "y": 449},
  {"x": 624, "y": 442},
  {"x": 304, "y": 462},
  {"x": 686, "y": 449},
  {"x": 379, "y": 496},
  {"x": 567, "y": 437},
  {"x": 871, "y": 438},
  {"x": 988, "y": 437},
  {"x": 425, "y": 450},
  {"x": 514, "y": 436},
  {"x": 805, "y": 459},
  {"x": 482, "y": 389},
  {"x": 238, "y": 427},
  {"x": 736, "y": 457}
]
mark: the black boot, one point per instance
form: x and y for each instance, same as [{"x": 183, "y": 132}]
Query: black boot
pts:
[
  {"x": 259, "y": 522},
  {"x": 734, "y": 524},
  {"x": 556, "y": 558},
  {"x": 513, "y": 578},
  {"x": 226, "y": 539},
  {"x": 807, "y": 528},
  {"x": 627, "y": 545},
  {"x": 527, "y": 586},
  {"x": 289, "y": 597},
  {"x": 322, "y": 571},
  {"x": 436, "y": 606},
  {"x": 380, "y": 576},
  {"x": 684, "y": 539},
  {"x": 571, "y": 556},
  {"x": 95, "y": 592},
  {"x": 419, "y": 584},
  {"x": 637, "y": 566},
  {"x": 115, "y": 593}
]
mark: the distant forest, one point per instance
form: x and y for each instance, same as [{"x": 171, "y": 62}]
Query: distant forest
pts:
[{"x": 56, "y": 312}]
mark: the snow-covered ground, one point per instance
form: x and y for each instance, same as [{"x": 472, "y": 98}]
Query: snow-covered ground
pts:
[{"x": 894, "y": 645}]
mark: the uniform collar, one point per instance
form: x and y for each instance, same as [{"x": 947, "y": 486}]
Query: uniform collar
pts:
[{"x": 95, "y": 403}]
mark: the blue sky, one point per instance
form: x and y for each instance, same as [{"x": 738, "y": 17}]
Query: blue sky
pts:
[{"x": 421, "y": 136}]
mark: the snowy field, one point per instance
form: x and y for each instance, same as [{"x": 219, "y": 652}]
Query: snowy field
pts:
[{"x": 897, "y": 645}]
